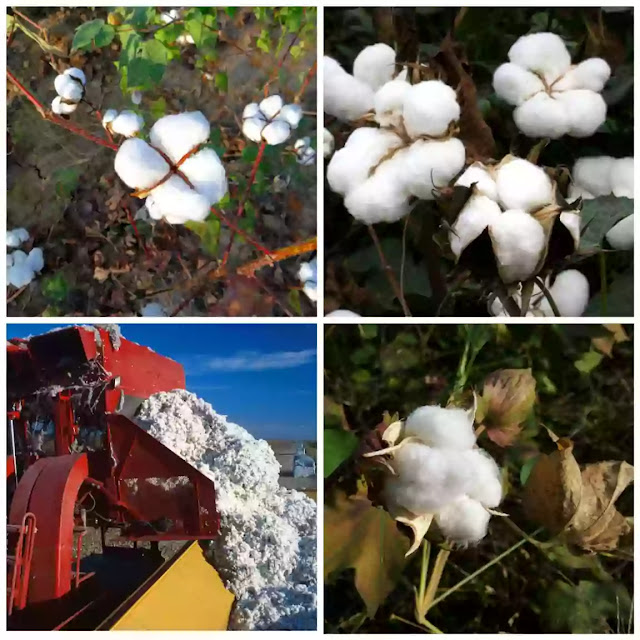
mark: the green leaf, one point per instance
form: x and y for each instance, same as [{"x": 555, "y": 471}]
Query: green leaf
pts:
[
  {"x": 155, "y": 51},
  {"x": 143, "y": 74},
  {"x": 264, "y": 41},
  {"x": 294, "y": 300},
  {"x": 599, "y": 215},
  {"x": 66, "y": 181},
  {"x": 368, "y": 331},
  {"x": 338, "y": 446},
  {"x": 250, "y": 153},
  {"x": 525, "y": 469},
  {"x": 209, "y": 232},
  {"x": 96, "y": 32},
  {"x": 222, "y": 81},
  {"x": 55, "y": 288},
  {"x": 619, "y": 298},
  {"x": 588, "y": 361},
  {"x": 158, "y": 108},
  {"x": 141, "y": 17}
]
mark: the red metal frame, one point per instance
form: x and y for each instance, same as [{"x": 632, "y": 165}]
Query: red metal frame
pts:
[{"x": 20, "y": 574}]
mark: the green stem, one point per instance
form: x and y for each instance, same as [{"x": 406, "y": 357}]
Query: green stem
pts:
[
  {"x": 549, "y": 297},
  {"x": 431, "y": 626}
]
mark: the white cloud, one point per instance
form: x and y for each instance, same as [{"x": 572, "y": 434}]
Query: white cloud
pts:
[{"x": 255, "y": 361}]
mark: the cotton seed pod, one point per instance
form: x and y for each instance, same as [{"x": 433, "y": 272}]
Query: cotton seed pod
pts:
[
  {"x": 515, "y": 84},
  {"x": 252, "y": 128},
  {"x": 477, "y": 214},
  {"x": 483, "y": 183},
  {"x": 206, "y": 173},
  {"x": 545, "y": 53},
  {"x": 345, "y": 97},
  {"x": 620, "y": 236},
  {"x": 276, "y": 132},
  {"x": 593, "y": 174},
  {"x": 328, "y": 143},
  {"x": 343, "y": 313},
  {"x": 464, "y": 521},
  {"x": 68, "y": 88},
  {"x": 444, "y": 428},
  {"x": 590, "y": 74},
  {"x": 62, "y": 108},
  {"x": 523, "y": 185},
  {"x": 138, "y": 165},
  {"x": 292, "y": 114},
  {"x": 570, "y": 292},
  {"x": 270, "y": 107},
  {"x": 375, "y": 65},
  {"x": 388, "y": 102},
  {"x": 127, "y": 124},
  {"x": 16, "y": 237},
  {"x": 429, "y": 108},
  {"x": 518, "y": 242},
  {"x": 177, "y": 203},
  {"x": 176, "y": 135},
  {"x": 35, "y": 260},
  {"x": 77, "y": 74},
  {"x": 585, "y": 109},
  {"x": 622, "y": 178},
  {"x": 542, "y": 117},
  {"x": 109, "y": 116}
]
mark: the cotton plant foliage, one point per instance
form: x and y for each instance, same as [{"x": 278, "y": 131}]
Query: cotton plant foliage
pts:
[
  {"x": 69, "y": 86},
  {"x": 552, "y": 97},
  {"x": 271, "y": 120},
  {"x": 437, "y": 473},
  {"x": 179, "y": 178}
]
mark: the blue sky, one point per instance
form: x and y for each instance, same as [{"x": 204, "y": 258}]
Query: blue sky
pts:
[{"x": 263, "y": 377}]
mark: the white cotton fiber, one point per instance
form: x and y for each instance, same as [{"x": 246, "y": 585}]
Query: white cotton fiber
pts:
[
  {"x": 345, "y": 97},
  {"x": 291, "y": 113},
  {"x": 523, "y": 185},
  {"x": 19, "y": 258},
  {"x": 62, "y": 108},
  {"x": 429, "y": 108},
  {"x": 328, "y": 143},
  {"x": 270, "y": 107},
  {"x": 586, "y": 111},
  {"x": 109, "y": 116},
  {"x": 544, "y": 53},
  {"x": 518, "y": 242},
  {"x": 138, "y": 165},
  {"x": 76, "y": 73},
  {"x": 16, "y": 237},
  {"x": 620, "y": 236},
  {"x": 375, "y": 65},
  {"x": 463, "y": 521},
  {"x": 593, "y": 174},
  {"x": 176, "y": 202},
  {"x": 450, "y": 428},
  {"x": 19, "y": 275},
  {"x": 515, "y": 84},
  {"x": 486, "y": 487},
  {"x": 35, "y": 259},
  {"x": 127, "y": 124},
  {"x": 576, "y": 191},
  {"x": 476, "y": 215},
  {"x": 276, "y": 132},
  {"x": 252, "y": 128},
  {"x": 252, "y": 110},
  {"x": 571, "y": 221},
  {"x": 206, "y": 173},
  {"x": 388, "y": 102},
  {"x": 177, "y": 134},
  {"x": 153, "y": 310},
  {"x": 591, "y": 74},
  {"x": 483, "y": 183},
  {"x": 343, "y": 313},
  {"x": 542, "y": 117},
  {"x": 570, "y": 292},
  {"x": 622, "y": 178},
  {"x": 68, "y": 88}
]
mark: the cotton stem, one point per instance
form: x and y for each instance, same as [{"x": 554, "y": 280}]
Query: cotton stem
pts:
[{"x": 549, "y": 297}]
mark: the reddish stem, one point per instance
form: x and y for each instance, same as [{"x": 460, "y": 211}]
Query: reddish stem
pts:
[
  {"x": 240, "y": 232},
  {"x": 274, "y": 75},
  {"x": 27, "y": 19},
  {"x": 99, "y": 116},
  {"x": 135, "y": 230},
  {"x": 306, "y": 81}
]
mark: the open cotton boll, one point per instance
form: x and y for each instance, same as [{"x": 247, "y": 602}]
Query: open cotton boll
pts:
[
  {"x": 388, "y": 102},
  {"x": 252, "y": 110},
  {"x": 364, "y": 149},
  {"x": 310, "y": 289},
  {"x": 593, "y": 174},
  {"x": 206, "y": 173},
  {"x": 328, "y": 143},
  {"x": 576, "y": 191},
  {"x": 176, "y": 135},
  {"x": 591, "y": 74},
  {"x": 276, "y": 132},
  {"x": 68, "y": 88},
  {"x": 523, "y": 185},
  {"x": 77, "y": 74},
  {"x": 486, "y": 487},
  {"x": 20, "y": 275},
  {"x": 127, "y": 124},
  {"x": 518, "y": 242},
  {"x": 308, "y": 271},
  {"x": 464, "y": 521},
  {"x": 62, "y": 108},
  {"x": 541, "y": 117},
  {"x": 35, "y": 260},
  {"x": 622, "y": 178},
  {"x": 515, "y": 84},
  {"x": 175, "y": 201},
  {"x": 478, "y": 176},
  {"x": 9, "y": 259},
  {"x": 545, "y": 53},
  {"x": 153, "y": 310},
  {"x": 109, "y": 116},
  {"x": 586, "y": 111},
  {"x": 19, "y": 258},
  {"x": 620, "y": 236},
  {"x": 571, "y": 221},
  {"x": 271, "y": 106},
  {"x": 139, "y": 165},
  {"x": 445, "y": 428},
  {"x": 570, "y": 292},
  {"x": 429, "y": 108},
  {"x": 345, "y": 97},
  {"x": 252, "y": 128},
  {"x": 430, "y": 164},
  {"x": 16, "y": 237},
  {"x": 476, "y": 215},
  {"x": 375, "y": 65},
  {"x": 343, "y": 313},
  {"x": 291, "y": 113},
  {"x": 419, "y": 498}
]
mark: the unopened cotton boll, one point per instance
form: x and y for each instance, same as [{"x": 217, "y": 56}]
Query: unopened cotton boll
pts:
[
  {"x": 375, "y": 65},
  {"x": 139, "y": 165},
  {"x": 127, "y": 124},
  {"x": 35, "y": 260},
  {"x": 276, "y": 132},
  {"x": 76, "y": 74},
  {"x": 622, "y": 178},
  {"x": 62, "y": 108},
  {"x": 515, "y": 84},
  {"x": 464, "y": 521},
  {"x": 429, "y": 108},
  {"x": 445, "y": 428},
  {"x": 545, "y": 53},
  {"x": 16, "y": 237},
  {"x": 518, "y": 242},
  {"x": 620, "y": 236},
  {"x": 271, "y": 106},
  {"x": 389, "y": 100},
  {"x": 476, "y": 215},
  {"x": 590, "y": 74},
  {"x": 523, "y": 185},
  {"x": 345, "y": 97},
  {"x": 483, "y": 183},
  {"x": 291, "y": 113},
  {"x": 542, "y": 117},
  {"x": 176, "y": 135},
  {"x": 570, "y": 292},
  {"x": 343, "y": 313},
  {"x": 328, "y": 143},
  {"x": 586, "y": 111},
  {"x": 68, "y": 88},
  {"x": 206, "y": 173},
  {"x": 176, "y": 202},
  {"x": 593, "y": 174}
]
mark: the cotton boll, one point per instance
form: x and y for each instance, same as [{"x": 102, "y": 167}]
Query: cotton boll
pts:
[
  {"x": 463, "y": 521},
  {"x": 276, "y": 132},
  {"x": 328, "y": 143},
  {"x": 68, "y": 88},
  {"x": 310, "y": 289},
  {"x": 76, "y": 73},
  {"x": 388, "y": 102},
  {"x": 139, "y": 165},
  {"x": 109, "y": 116},
  {"x": 542, "y": 117},
  {"x": 445, "y": 428},
  {"x": 518, "y": 242},
  {"x": 486, "y": 487},
  {"x": 429, "y": 165},
  {"x": 252, "y": 128},
  {"x": 483, "y": 183},
  {"x": 375, "y": 65},
  {"x": 19, "y": 258},
  {"x": 16, "y": 237},
  {"x": 20, "y": 275},
  {"x": 571, "y": 220},
  {"x": 175, "y": 201},
  {"x": 176, "y": 135},
  {"x": 586, "y": 111},
  {"x": 206, "y": 173},
  {"x": 544, "y": 53},
  {"x": 271, "y": 106},
  {"x": 291, "y": 113},
  {"x": 9, "y": 259},
  {"x": 594, "y": 174},
  {"x": 35, "y": 260},
  {"x": 153, "y": 310},
  {"x": 570, "y": 292},
  {"x": 136, "y": 97},
  {"x": 476, "y": 215},
  {"x": 345, "y": 97},
  {"x": 343, "y": 313},
  {"x": 576, "y": 192},
  {"x": 591, "y": 74},
  {"x": 620, "y": 236},
  {"x": 429, "y": 108},
  {"x": 523, "y": 185},
  {"x": 622, "y": 178},
  {"x": 62, "y": 108},
  {"x": 418, "y": 498},
  {"x": 251, "y": 111},
  {"x": 308, "y": 271},
  {"x": 127, "y": 124},
  {"x": 515, "y": 84},
  {"x": 364, "y": 149}
]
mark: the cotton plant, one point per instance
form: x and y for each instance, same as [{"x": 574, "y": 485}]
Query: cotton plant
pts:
[
  {"x": 178, "y": 176},
  {"x": 271, "y": 120},
  {"x": 552, "y": 97},
  {"x": 308, "y": 275},
  {"x": 22, "y": 267},
  {"x": 438, "y": 474},
  {"x": 413, "y": 152},
  {"x": 305, "y": 153},
  {"x": 126, "y": 123},
  {"x": 69, "y": 86}
]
